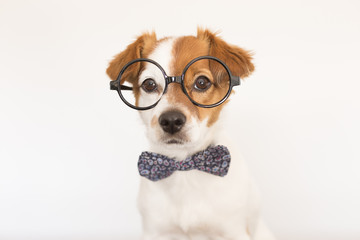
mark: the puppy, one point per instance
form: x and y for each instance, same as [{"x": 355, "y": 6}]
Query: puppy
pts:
[{"x": 180, "y": 103}]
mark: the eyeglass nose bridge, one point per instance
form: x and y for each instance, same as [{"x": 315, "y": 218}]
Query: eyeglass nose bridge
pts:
[{"x": 173, "y": 79}]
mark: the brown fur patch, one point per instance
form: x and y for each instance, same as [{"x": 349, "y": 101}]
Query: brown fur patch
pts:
[
  {"x": 141, "y": 48},
  {"x": 186, "y": 49},
  {"x": 237, "y": 59},
  {"x": 206, "y": 43}
]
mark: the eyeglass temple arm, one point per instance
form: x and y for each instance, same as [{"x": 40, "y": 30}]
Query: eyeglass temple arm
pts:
[
  {"x": 115, "y": 86},
  {"x": 235, "y": 80}
]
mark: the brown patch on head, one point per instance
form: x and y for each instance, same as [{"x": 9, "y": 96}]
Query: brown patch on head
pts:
[
  {"x": 206, "y": 43},
  {"x": 141, "y": 48},
  {"x": 186, "y": 49}
]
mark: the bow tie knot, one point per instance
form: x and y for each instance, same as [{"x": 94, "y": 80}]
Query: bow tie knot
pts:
[{"x": 214, "y": 160}]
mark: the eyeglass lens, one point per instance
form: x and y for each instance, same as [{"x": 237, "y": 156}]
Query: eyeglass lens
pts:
[{"x": 206, "y": 81}]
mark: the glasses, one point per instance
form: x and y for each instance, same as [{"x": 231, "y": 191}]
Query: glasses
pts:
[{"x": 205, "y": 80}]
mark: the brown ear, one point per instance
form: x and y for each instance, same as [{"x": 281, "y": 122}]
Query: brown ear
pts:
[
  {"x": 237, "y": 59},
  {"x": 140, "y": 48}
]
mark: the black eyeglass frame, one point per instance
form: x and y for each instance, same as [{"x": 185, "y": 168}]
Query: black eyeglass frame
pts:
[{"x": 114, "y": 85}]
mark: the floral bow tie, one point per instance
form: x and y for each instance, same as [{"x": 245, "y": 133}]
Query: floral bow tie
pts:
[{"x": 214, "y": 160}]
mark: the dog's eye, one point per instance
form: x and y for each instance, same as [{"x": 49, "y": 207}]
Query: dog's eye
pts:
[
  {"x": 202, "y": 83},
  {"x": 149, "y": 85}
]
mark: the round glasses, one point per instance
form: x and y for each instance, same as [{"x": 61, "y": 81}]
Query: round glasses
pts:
[{"x": 205, "y": 80}]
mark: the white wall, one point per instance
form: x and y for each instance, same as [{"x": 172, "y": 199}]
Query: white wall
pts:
[{"x": 68, "y": 146}]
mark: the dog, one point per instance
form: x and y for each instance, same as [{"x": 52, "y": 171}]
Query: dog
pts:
[{"x": 182, "y": 116}]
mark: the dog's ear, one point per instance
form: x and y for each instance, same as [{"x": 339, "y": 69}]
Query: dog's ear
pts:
[
  {"x": 138, "y": 49},
  {"x": 237, "y": 59}
]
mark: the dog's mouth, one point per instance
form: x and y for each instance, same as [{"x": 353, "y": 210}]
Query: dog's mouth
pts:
[{"x": 174, "y": 141}]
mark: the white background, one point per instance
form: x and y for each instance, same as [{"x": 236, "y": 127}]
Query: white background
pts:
[{"x": 69, "y": 146}]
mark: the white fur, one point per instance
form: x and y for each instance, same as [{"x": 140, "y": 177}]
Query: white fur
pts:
[{"x": 193, "y": 204}]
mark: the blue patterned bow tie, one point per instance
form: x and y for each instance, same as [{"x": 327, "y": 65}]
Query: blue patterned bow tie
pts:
[{"x": 214, "y": 160}]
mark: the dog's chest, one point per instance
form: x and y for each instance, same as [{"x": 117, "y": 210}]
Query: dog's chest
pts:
[{"x": 191, "y": 199}]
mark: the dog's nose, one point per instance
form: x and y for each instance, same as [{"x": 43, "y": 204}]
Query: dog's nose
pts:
[{"x": 172, "y": 121}]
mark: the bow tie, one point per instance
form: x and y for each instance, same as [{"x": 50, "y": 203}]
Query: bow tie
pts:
[{"x": 214, "y": 160}]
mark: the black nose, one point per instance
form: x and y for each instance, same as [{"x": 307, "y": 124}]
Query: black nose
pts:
[{"x": 172, "y": 121}]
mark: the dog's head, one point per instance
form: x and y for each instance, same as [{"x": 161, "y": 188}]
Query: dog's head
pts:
[{"x": 176, "y": 123}]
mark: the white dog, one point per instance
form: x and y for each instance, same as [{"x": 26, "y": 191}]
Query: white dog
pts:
[{"x": 194, "y": 196}]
